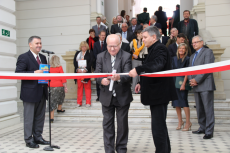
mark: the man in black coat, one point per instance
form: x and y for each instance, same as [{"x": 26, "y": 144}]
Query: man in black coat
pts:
[
  {"x": 32, "y": 94},
  {"x": 153, "y": 21},
  {"x": 118, "y": 100},
  {"x": 162, "y": 19},
  {"x": 156, "y": 91},
  {"x": 134, "y": 27},
  {"x": 173, "y": 47},
  {"x": 163, "y": 39},
  {"x": 116, "y": 28},
  {"x": 99, "y": 47},
  {"x": 127, "y": 35},
  {"x": 124, "y": 46}
]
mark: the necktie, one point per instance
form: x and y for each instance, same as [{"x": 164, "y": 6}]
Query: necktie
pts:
[
  {"x": 98, "y": 27},
  {"x": 39, "y": 62},
  {"x": 194, "y": 58},
  {"x": 113, "y": 62},
  {"x": 133, "y": 28},
  {"x": 101, "y": 45}
]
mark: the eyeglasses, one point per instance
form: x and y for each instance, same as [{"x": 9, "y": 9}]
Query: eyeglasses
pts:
[
  {"x": 195, "y": 42},
  {"x": 113, "y": 46}
]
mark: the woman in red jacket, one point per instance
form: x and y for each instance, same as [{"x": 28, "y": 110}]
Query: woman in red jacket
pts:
[{"x": 58, "y": 88}]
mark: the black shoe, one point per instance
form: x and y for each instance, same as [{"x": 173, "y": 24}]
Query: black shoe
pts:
[
  {"x": 208, "y": 136},
  {"x": 198, "y": 132},
  {"x": 42, "y": 142},
  {"x": 97, "y": 99},
  {"x": 60, "y": 111},
  {"x": 51, "y": 120},
  {"x": 32, "y": 145}
]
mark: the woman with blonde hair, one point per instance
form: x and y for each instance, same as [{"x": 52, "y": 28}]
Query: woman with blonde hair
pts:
[
  {"x": 114, "y": 21},
  {"x": 58, "y": 88},
  {"x": 83, "y": 61},
  {"x": 181, "y": 60}
]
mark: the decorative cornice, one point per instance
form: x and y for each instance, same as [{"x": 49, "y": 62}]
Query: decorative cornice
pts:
[{"x": 198, "y": 8}]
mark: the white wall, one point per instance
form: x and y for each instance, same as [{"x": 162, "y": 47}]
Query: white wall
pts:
[
  {"x": 218, "y": 24},
  {"x": 111, "y": 10},
  {"x": 8, "y": 90},
  {"x": 185, "y": 5}
]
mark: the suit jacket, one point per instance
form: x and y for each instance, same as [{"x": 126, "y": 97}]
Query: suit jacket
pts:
[
  {"x": 156, "y": 90},
  {"x": 96, "y": 29},
  {"x": 205, "y": 81},
  {"x": 31, "y": 91},
  {"x": 97, "y": 50},
  {"x": 161, "y": 18},
  {"x": 123, "y": 64},
  {"x": 164, "y": 40},
  {"x": 158, "y": 25},
  {"x": 115, "y": 29},
  {"x": 129, "y": 36},
  {"x": 143, "y": 18},
  {"x": 172, "y": 49},
  {"x": 138, "y": 27},
  {"x": 126, "y": 47},
  {"x": 193, "y": 28}
]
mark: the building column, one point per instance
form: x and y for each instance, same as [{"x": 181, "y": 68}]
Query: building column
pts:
[{"x": 8, "y": 89}]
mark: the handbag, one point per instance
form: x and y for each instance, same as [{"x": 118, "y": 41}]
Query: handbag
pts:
[{"x": 179, "y": 81}]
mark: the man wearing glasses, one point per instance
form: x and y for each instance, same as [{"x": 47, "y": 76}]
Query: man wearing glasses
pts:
[
  {"x": 118, "y": 99},
  {"x": 203, "y": 88}
]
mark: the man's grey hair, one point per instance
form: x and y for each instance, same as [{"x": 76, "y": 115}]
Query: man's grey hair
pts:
[
  {"x": 146, "y": 24},
  {"x": 125, "y": 24},
  {"x": 199, "y": 37},
  {"x": 133, "y": 18},
  {"x": 154, "y": 17},
  {"x": 103, "y": 18},
  {"x": 174, "y": 28},
  {"x": 32, "y": 38},
  {"x": 118, "y": 34},
  {"x": 152, "y": 30}
]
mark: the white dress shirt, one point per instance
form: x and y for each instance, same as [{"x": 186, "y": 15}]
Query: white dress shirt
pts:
[{"x": 35, "y": 56}]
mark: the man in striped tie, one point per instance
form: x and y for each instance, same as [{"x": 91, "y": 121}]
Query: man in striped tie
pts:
[{"x": 119, "y": 98}]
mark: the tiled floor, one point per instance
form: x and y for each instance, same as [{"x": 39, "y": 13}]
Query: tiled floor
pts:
[{"x": 79, "y": 137}]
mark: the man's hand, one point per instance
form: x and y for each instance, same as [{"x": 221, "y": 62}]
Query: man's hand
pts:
[
  {"x": 135, "y": 56},
  {"x": 133, "y": 73},
  {"x": 115, "y": 77},
  {"x": 141, "y": 24},
  {"x": 38, "y": 71},
  {"x": 137, "y": 88},
  {"x": 193, "y": 82},
  {"x": 171, "y": 36},
  {"x": 105, "y": 82},
  {"x": 182, "y": 87}
]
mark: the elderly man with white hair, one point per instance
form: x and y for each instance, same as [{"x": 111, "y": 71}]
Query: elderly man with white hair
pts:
[
  {"x": 125, "y": 34},
  {"x": 119, "y": 98},
  {"x": 153, "y": 21}
]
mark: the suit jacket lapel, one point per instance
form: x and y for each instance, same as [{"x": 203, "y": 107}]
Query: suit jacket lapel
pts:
[
  {"x": 32, "y": 58},
  {"x": 108, "y": 62}
]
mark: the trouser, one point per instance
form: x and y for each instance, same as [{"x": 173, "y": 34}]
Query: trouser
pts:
[
  {"x": 87, "y": 87},
  {"x": 159, "y": 128},
  {"x": 98, "y": 90},
  {"x": 135, "y": 63},
  {"x": 205, "y": 111},
  {"x": 164, "y": 31},
  {"x": 34, "y": 117},
  {"x": 109, "y": 127}
]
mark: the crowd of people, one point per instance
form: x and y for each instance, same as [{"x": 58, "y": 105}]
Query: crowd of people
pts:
[{"x": 135, "y": 46}]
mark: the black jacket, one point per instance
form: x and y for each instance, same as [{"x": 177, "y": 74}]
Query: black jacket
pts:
[
  {"x": 172, "y": 49},
  {"x": 95, "y": 40},
  {"x": 125, "y": 47},
  {"x": 97, "y": 49},
  {"x": 90, "y": 59},
  {"x": 31, "y": 91},
  {"x": 164, "y": 40},
  {"x": 138, "y": 27},
  {"x": 161, "y": 18},
  {"x": 115, "y": 29},
  {"x": 129, "y": 36},
  {"x": 193, "y": 29},
  {"x": 156, "y": 90}
]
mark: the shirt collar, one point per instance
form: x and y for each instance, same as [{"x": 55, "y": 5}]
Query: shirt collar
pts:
[
  {"x": 177, "y": 44},
  {"x": 35, "y": 55},
  {"x": 99, "y": 25},
  {"x": 199, "y": 50}
]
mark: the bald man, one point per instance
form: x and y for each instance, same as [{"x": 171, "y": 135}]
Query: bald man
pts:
[{"x": 119, "y": 98}]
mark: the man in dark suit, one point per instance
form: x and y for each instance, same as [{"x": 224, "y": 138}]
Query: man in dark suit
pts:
[
  {"x": 116, "y": 28},
  {"x": 98, "y": 27},
  {"x": 173, "y": 47},
  {"x": 33, "y": 95},
  {"x": 162, "y": 19},
  {"x": 153, "y": 21},
  {"x": 143, "y": 17},
  {"x": 119, "y": 98},
  {"x": 163, "y": 39},
  {"x": 99, "y": 47},
  {"x": 124, "y": 46},
  {"x": 203, "y": 88},
  {"x": 134, "y": 27},
  {"x": 127, "y": 35},
  {"x": 156, "y": 91},
  {"x": 176, "y": 17}
]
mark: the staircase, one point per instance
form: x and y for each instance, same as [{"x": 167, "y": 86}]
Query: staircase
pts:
[{"x": 140, "y": 114}]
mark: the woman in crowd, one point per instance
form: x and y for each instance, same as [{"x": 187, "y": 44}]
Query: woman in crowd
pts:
[
  {"x": 181, "y": 60},
  {"x": 114, "y": 21},
  {"x": 86, "y": 58},
  {"x": 58, "y": 88},
  {"x": 139, "y": 52},
  {"x": 92, "y": 39},
  {"x": 123, "y": 16}
]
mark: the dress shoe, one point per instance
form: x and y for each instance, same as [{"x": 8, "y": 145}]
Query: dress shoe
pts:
[
  {"x": 60, "y": 111},
  {"x": 187, "y": 129},
  {"x": 208, "y": 136},
  {"x": 51, "y": 120},
  {"x": 97, "y": 99},
  {"x": 42, "y": 142},
  {"x": 179, "y": 126},
  {"x": 198, "y": 132},
  {"x": 32, "y": 145}
]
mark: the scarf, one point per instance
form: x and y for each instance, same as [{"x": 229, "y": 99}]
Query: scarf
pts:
[
  {"x": 91, "y": 43},
  {"x": 137, "y": 50}
]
